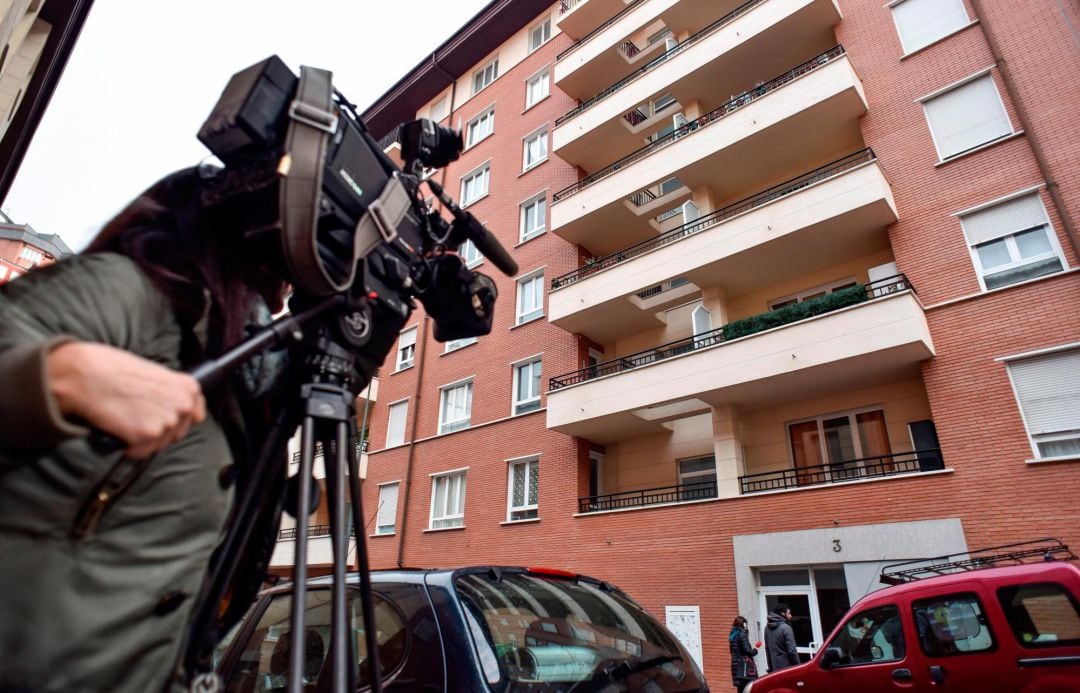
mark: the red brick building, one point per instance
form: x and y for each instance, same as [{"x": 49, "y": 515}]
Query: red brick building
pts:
[
  {"x": 22, "y": 248},
  {"x": 799, "y": 296}
]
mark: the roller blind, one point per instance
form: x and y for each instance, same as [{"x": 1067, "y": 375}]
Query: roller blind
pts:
[
  {"x": 1004, "y": 219},
  {"x": 921, "y": 22},
  {"x": 967, "y": 116},
  {"x": 407, "y": 338},
  {"x": 1048, "y": 388},
  {"x": 388, "y": 496},
  {"x": 395, "y": 429}
]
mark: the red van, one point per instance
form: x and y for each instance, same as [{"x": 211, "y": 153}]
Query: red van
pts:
[{"x": 983, "y": 630}]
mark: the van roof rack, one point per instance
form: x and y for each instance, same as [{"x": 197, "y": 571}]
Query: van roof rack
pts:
[{"x": 1048, "y": 549}]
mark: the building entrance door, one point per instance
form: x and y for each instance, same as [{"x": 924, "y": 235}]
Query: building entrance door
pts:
[
  {"x": 803, "y": 622},
  {"x": 818, "y": 599}
]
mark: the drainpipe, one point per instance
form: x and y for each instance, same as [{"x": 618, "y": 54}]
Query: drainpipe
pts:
[{"x": 1021, "y": 113}]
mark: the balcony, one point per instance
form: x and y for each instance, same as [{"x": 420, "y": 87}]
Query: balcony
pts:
[
  {"x": 755, "y": 40},
  {"x": 851, "y": 337},
  {"x": 763, "y": 130},
  {"x": 663, "y": 495},
  {"x": 846, "y": 470},
  {"x": 824, "y": 217},
  {"x": 579, "y": 18}
]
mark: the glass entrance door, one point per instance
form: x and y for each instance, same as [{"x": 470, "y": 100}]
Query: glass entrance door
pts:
[
  {"x": 802, "y": 618},
  {"x": 818, "y": 598}
]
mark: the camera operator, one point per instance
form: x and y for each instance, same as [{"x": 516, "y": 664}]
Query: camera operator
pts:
[{"x": 100, "y": 565}]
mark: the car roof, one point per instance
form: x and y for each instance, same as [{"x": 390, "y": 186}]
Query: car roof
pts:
[{"x": 1010, "y": 573}]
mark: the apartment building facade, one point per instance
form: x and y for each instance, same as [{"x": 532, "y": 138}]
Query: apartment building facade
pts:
[
  {"x": 799, "y": 297},
  {"x": 22, "y": 249}
]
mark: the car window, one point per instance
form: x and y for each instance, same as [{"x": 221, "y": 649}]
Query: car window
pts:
[
  {"x": 955, "y": 624},
  {"x": 871, "y": 636},
  {"x": 1041, "y": 615},
  {"x": 263, "y": 666}
]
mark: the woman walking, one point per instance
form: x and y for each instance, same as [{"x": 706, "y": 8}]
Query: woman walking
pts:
[{"x": 743, "y": 669}]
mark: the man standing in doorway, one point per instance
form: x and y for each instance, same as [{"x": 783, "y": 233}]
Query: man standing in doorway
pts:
[{"x": 780, "y": 639}]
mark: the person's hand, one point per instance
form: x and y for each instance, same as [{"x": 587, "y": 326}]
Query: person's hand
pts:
[{"x": 142, "y": 403}]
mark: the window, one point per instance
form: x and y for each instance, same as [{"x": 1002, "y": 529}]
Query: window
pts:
[
  {"x": 1041, "y": 615},
  {"x": 850, "y": 443},
  {"x": 439, "y": 109},
  {"x": 533, "y": 218},
  {"x": 480, "y": 127},
  {"x": 527, "y": 386},
  {"x": 540, "y": 34},
  {"x": 698, "y": 474},
  {"x": 535, "y": 149},
  {"x": 455, "y": 407},
  {"x": 395, "y": 427},
  {"x": 871, "y": 636},
  {"x": 455, "y": 344},
  {"x": 485, "y": 75},
  {"x": 952, "y": 625},
  {"x": 387, "y": 512},
  {"x": 475, "y": 185},
  {"x": 921, "y": 22},
  {"x": 1048, "y": 392},
  {"x": 966, "y": 117},
  {"x": 530, "y": 298},
  {"x": 537, "y": 88},
  {"x": 1012, "y": 242},
  {"x": 522, "y": 494},
  {"x": 448, "y": 500},
  {"x": 406, "y": 350},
  {"x": 28, "y": 253},
  {"x": 812, "y": 293},
  {"x": 470, "y": 254}
]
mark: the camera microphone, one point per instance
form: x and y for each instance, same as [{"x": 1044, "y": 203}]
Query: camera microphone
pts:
[{"x": 483, "y": 239}]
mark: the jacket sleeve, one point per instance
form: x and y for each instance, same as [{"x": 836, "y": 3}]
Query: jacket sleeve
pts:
[
  {"x": 744, "y": 645},
  {"x": 101, "y": 298},
  {"x": 789, "y": 643}
]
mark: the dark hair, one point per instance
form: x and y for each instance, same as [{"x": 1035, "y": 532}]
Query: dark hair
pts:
[
  {"x": 781, "y": 608},
  {"x": 190, "y": 241},
  {"x": 740, "y": 622}
]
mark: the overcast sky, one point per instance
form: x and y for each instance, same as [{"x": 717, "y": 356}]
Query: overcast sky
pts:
[{"x": 145, "y": 74}]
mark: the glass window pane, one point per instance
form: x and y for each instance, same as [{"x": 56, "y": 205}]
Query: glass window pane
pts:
[
  {"x": 839, "y": 442},
  {"x": 952, "y": 625},
  {"x": 993, "y": 254},
  {"x": 871, "y": 636},
  {"x": 1033, "y": 242},
  {"x": 781, "y": 578},
  {"x": 873, "y": 434},
  {"x": 1035, "y": 269},
  {"x": 534, "y": 482},
  {"x": 1041, "y": 615}
]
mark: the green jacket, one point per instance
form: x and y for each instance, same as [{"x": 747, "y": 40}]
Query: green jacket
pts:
[{"x": 105, "y": 611}]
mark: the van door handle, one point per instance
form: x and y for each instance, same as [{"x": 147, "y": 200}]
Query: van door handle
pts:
[
  {"x": 937, "y": 675},
  {"x": 901, "y": 674}
]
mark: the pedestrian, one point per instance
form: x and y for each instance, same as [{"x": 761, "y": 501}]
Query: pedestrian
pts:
[
  {"x": 104, "y": 555},
  {"x": 743, "y": 668},
  {"x": 780, "y": 639}
]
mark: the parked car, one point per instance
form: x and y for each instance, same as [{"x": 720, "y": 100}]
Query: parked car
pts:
[
  {"x": 999, "y": 629},
  {"x": 471, "y": 629}
]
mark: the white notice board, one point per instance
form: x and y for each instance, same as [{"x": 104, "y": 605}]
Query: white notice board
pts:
[{"x": 685, "y": 623}]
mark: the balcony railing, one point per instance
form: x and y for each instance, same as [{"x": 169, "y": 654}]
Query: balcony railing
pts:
[
  {"x": 779, "y": 317},
  {"x": 567, "y": 5},
  {"x": 312, "y": 531},
  {"x": 656, "y": 62},
  {"x": 629, "y": 8},
  {"x": 389, "y": 138},
  {"x": 794, "y": 185},
  {"x": 848, "y": 470},
  {"x": 650, "y": 496},
  {"x": 661, "y": 288},
  {"x": 729, "y": 106}
]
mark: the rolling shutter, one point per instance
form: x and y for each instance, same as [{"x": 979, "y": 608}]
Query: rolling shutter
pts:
[
  {"x": 921, "y": 22},
  {"x": 967, "y": 116},
  {"x": 1048, "y": 388},
  {"x": 1004, "y": 219}
]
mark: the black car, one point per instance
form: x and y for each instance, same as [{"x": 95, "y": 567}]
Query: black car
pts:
[{"x": 470, "y": 629}]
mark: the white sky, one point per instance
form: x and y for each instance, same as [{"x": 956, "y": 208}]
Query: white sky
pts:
[{"x": 145, "y": 74}]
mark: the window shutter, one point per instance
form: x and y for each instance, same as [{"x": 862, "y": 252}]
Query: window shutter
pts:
[
  {"x": 1048, "y": 388},
  {"x": 388, "y": 497},
  {"x": 921, "y": 22},
  {"x": 965, "y": 117},
  {"x": 407, "y": 339},
  {"x": 395, "y": 429},
  {"x": 1003, "y": 219}
]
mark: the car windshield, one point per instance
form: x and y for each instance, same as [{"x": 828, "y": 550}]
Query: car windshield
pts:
[{"x": 532, "y": 632}]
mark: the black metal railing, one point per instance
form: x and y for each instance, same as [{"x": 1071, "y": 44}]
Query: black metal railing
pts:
[
  {"x": 661, "y": 288},
  {"x": 389, "y": 139},
  {"x": 660, "y": 60},
  {"x": 649, "y": 496},
  {"x": 567, "y": 5},
  {"x": 623, "y": 12},
  {"x": 312, "y": 531},
  {"x": 784, "y": 189},
  {"x": 847, "y": 470},
  {"x": 779, "y": 317},
  {"x": 729, "y": 106}
]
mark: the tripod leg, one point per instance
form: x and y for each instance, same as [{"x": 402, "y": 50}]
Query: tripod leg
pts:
[
  {"x": 296, "y": 636},
  {"x": 363, "y": 568},
  {"x": 343, "y": 663}
]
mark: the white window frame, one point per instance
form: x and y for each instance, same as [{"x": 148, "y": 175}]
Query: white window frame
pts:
[
  {"x": 32, "y": 254},
  {"x": 534, "y": 398},
  {"x": 486, "y": 117},
  {"x": 857, "y": 440},
  {"x": 544, "y": 27},
  {"x": 459, "y": 424},
  {"x": 934, "y": 5},
  {"x": 543, "y": 77},
  {"x": 455, "y": 344},
  {"x": 1034, "y": 438},
  {"x": 382, "y": 514},
  {"x": 470, "y": 254},
  {"x": 966, "y": 82},
  {"x": 406, "y": 351},
  {"x": 520, "y": 316},
  {"x": 524, "y": 233},
  {"x": 403, "y": 407},
  {"x": 531, "y": 510},
  {"x": 453, "y": 516},
  {"x": 1048, "y": 227},
  {"x": 481, "y": 79},
  {"x": 439, "y": 110},
  {"x": 538, "y": 137},
  {"x": 482, "y": 172}
]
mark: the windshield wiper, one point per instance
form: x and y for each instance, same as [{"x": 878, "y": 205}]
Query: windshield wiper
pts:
[{"x": 617, "y": 672}]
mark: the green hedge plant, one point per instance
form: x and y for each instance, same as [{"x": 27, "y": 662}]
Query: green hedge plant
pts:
[{"x": 796, "y": 311}]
